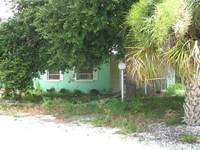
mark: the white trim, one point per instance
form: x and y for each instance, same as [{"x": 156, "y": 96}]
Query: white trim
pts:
[
  {"x": 84, "y": 80},
  {"x": 94, "y": 73},
  {"x": 46, "y": 76},
  {"x": 61, "y": 75}
]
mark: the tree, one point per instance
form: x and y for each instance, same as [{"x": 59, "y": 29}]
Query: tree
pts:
[
  {"x": 22, "y": 51},
  {"x": 82, "y": 33},
  {"x": 164, "y": 34},
  {"x": 49, "y": 34}
]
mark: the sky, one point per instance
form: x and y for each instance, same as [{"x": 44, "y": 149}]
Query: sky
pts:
[{"x": 5, "y": 12}]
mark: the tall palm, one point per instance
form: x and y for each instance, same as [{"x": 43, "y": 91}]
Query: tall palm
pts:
[{"x": 165, "y": 34}]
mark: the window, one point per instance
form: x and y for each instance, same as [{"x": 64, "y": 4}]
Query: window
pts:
[
  {"x": 53, "y": 75},
  {"x": 87, "y": 75}
]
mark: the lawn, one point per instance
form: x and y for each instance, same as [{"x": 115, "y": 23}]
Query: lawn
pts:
[{"x": 132, "y": 115}]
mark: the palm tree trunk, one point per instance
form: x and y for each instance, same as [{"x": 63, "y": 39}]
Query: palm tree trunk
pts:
[
  {"x": 192, "y": 97},
  {"x": 192, "y": 103}
]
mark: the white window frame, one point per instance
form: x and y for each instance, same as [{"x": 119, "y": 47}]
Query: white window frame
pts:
[
  {"x": 46, "y": 76},
  {"x": 94, "y": 74}
]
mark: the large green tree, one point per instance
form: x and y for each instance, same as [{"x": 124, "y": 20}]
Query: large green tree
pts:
[
  {"x": 165, "y": 34},
  {"x": 82, "y": 33},
  {"x": 22, "y": 51},
  {"x": 46, "y": 34}
]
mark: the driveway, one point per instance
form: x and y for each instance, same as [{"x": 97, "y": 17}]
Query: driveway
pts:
[
  {"x": 43, "y": 132},
  {"x": 23, "y": 131}
]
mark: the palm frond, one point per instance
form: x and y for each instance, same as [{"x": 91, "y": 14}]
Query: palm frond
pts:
[
  {"x": 194, "y": 6},
  {"x": 179, "y": 57},
  {"x": 170, "y": 16},
  {"x": 144, "y": 64}
]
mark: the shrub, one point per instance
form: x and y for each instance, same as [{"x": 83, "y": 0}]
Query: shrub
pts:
[
  {"x": 1, "y": 86},
  {"x": 64, "y": 90},
  {"x": 94, "y": 92},
  {"x": 77, "y": 92},
  {"x": 51, "y": 90}
]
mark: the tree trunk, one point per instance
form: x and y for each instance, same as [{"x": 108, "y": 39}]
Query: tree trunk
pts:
[
  {"x": 192, "y": 103},
  {"x": 192, "y": 92}
]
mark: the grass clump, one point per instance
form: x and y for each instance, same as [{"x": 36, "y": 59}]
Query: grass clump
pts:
[
  {"x": 174, "y": 121},
  {"x": 116, "y": 107},
  {"x": 189, "y": 138},
  {"x": 177, "y": 89},
  {"x": 81, "y": 109}
]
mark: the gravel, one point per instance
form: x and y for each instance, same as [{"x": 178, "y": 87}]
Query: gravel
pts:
[
  {"x": 169, "y": 136},
  {"x": 24, "y": 131}
]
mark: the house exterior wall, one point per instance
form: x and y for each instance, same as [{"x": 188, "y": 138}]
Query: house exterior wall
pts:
[{"x": 101, "y": 84}]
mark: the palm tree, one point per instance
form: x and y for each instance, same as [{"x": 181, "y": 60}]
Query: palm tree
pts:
[{"x": 165, "y": 34}]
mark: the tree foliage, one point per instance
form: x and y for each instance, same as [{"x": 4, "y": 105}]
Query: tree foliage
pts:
[
  {"x": 82, "y": 31},
  {"x": 22, "y": 52},
  {"x": 46, "y": 34},
  {"x": 163, "y": 36},
  {"x": 167, "y": 37}
]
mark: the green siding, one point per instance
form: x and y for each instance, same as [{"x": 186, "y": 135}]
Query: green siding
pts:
[{"x": 103, "y": 82}]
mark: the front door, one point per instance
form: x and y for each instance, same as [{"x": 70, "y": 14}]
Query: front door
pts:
[{"x": 114, "y": 76}]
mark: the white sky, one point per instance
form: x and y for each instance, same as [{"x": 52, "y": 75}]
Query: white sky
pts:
[{"x": 5, "y": 11}]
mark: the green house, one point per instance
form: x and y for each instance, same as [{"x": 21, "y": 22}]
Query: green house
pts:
[{"x": 104, "y": 79}]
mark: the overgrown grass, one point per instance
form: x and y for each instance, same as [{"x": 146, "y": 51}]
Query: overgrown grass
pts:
[
  {"x": 174, "y": 121},
  {"x": 189, "y": 138},
  {"x": 38, "y": 96},
  {"x": 131, "y": 115},
  {"x": 135, "y": 114},
  {"x": 177, "y": 89}
]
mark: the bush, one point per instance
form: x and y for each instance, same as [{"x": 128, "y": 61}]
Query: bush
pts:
[
  {"x": 64, "y": 91},
  {"x": 77, "y": 92},
  {"x": 94, "y": 92},
  {"x": 51, "y": 90},
  {"x": 1, "y": 86}
]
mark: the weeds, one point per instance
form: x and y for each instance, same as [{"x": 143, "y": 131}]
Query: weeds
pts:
[
  {"x": 177, "y": 89},
  {"x": 81, "y": 109},
  {"x": 189, "y": 138},
  {"x": 116, "y": 107},
  {"x": 99, "y": 122},
  {"x": 131, "y": 115},
  {"x": 46, "y": 102},
  {"x": 174, "y": 121},
  {"x": 136, "y": 103}
]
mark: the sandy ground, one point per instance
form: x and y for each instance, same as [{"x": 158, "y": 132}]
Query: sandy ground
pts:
[{"x": 24, "y": 132}]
